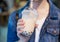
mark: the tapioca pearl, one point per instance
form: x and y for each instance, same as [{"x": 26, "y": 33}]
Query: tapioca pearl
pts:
[
  {"x": 29, "y": 33},
  {"x": 22, "y": 33},
  {"x": 26, "y": 34}
]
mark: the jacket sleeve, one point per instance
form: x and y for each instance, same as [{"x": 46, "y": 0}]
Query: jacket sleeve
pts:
[{"x": 12, "y": 34}]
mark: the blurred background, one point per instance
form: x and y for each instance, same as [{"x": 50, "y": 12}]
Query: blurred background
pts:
[{"x": 6, "y": 8}]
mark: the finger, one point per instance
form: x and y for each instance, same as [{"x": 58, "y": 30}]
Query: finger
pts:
[
  {"x": 20, "y": 20},
  {"x": 21, "y": 27},
  {"x": 19, "y": 30},
  {"x": 20, "y": 24}
]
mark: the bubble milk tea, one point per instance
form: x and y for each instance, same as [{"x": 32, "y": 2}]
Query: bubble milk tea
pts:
[{"x": 29, "y": 17}]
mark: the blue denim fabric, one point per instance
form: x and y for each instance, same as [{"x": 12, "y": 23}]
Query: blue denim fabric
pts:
[{"x": 50, "y": 28}]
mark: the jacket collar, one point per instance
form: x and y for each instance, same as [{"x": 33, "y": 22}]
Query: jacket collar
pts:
[
  {"x": 53, "y": 14},
  {"x": 53, "y": 9}
]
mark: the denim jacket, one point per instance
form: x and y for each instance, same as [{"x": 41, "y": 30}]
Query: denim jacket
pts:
[{"x": 50, "y": 28}]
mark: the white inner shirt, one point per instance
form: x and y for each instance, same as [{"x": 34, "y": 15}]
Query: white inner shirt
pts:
[{"x": 38, "y": 29}]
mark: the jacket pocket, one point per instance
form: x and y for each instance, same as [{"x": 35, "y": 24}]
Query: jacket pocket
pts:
[{"x": 53, "y": 31}]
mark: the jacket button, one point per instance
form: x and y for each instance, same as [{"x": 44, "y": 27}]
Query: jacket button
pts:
[{"x": 54, "y": 32}]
